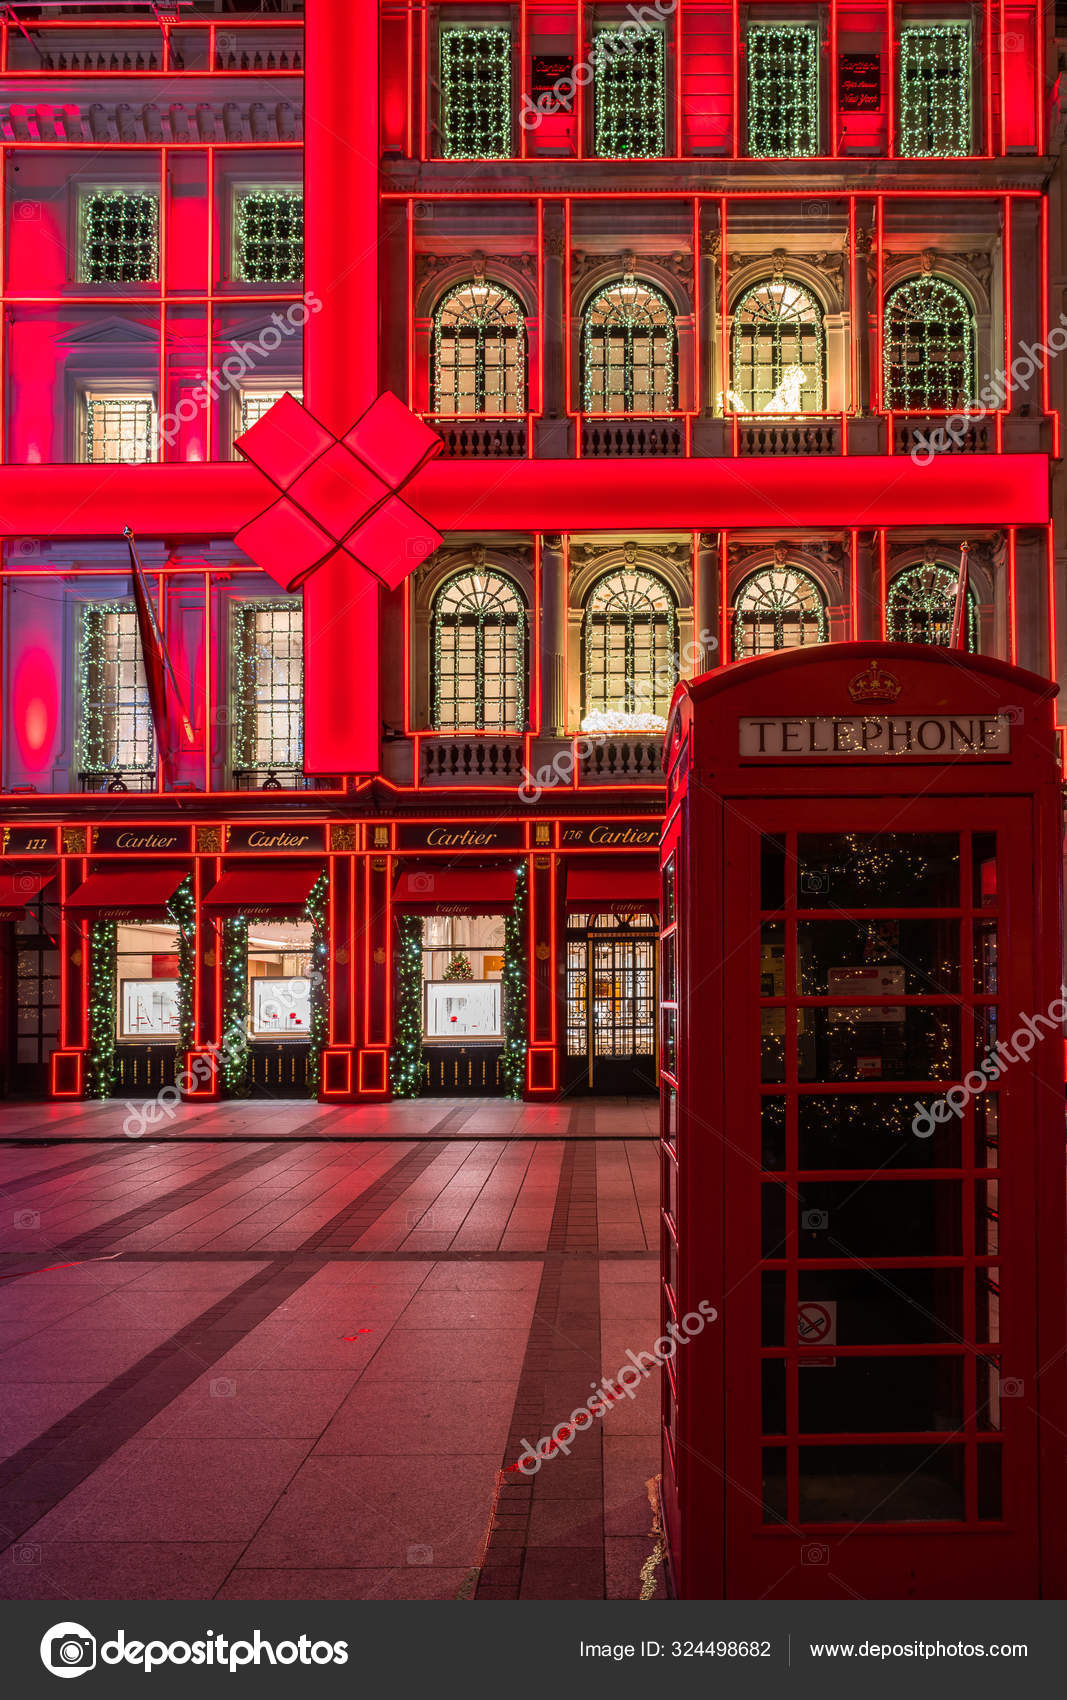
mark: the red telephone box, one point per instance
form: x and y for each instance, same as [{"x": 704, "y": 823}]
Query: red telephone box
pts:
[{"x": 861, "y": 906}]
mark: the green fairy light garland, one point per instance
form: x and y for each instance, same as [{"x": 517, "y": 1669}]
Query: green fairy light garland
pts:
[
  {"x": 476, "y": 93},
  {"x": 234, "y": 932},
  {"x": 920, "y": 606},
  {"x": 103, "y": 963},
  {"x": 935, "y": 91},
  {"x": 405, "y": 1059},
  {"x": 783, "y": 90},
  {"x": 639, "y": 316},
  {"x": 98, "y": 710},
  {"x": 120, "y": 238},
  {"x": 929, "y": 339},
  {"x": 182, "y": 911},
  {"x": 494, "y": 613},
  {"x": 317, "y": 912},
  {"x": 269, "y": 239},
  {"x": 485, "y": 315},
  {"x": 629, "y": 93},
  {"x": 513, "y": 1062}
]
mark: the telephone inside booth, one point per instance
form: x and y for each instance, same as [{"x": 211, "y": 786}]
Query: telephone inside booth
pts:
[{"x": 862, "y": 1140}]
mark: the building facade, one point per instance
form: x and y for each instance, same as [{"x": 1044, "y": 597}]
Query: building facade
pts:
[{"x": 708, "y": 330}]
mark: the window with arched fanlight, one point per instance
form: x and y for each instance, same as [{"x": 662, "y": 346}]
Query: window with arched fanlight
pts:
[
  {"x": 478, "y": 359},
  {"x": 778, "y": 607},
  {"x": 629, "y": 652},
  {"x": 629, "y": 350},
  {"x": 921, "y": 602},
  {"x": 778, "y": 362},
  {"x": 928, "y": 345},
  {"x": 478, "y": 673}
]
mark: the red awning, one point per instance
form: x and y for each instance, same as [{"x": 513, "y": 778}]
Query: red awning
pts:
[
  {"x": 264, "y": 891},
  {"x": 16, "y": 890},
  {"x": 127, "y": 894},
  {"x": 617, "y": 888},
  {"x": 455, "y": 891}
]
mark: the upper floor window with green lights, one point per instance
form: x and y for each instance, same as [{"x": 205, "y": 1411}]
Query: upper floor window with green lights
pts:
[
  {"x": 935, "y": 95},
  {"x": 118, "y": 236},
  {"x": 476, "y": 92},
  {"x": 268, "y": 236},
  {"x": 783, "y": 90},
  {"x": 629, "y": 63}
]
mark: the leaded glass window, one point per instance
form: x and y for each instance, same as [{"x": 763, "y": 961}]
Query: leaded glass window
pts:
[
  {"x": 629, "y": 350},
  {"x": 928, "y": 346},
  {"x": 119, "y": 237},
  {"x": 779, "y": 351},
  {"x": 269, "y": 236},
  {"x": 935, "y": 90},
  {"x": 783, "y": 90},
  {"x": 630, "y": 652},
  {"x": 478, "y": 676},
  {"x": 115, "y": 716},
  {"x": 119, "y": 428},
  {"x": 921, "y": 603},
  {"x": 475, "y": 93},
  {"x": 479, "y": 351},
  {"x": 268, "y": 685},
  {"x": 256, "y": 404},
  {"x": 629, "y": 92},
  {"x": 777, "y": 607}
]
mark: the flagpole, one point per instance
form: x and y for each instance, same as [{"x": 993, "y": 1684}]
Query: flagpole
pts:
[
  {"x": 958, "y": 637},
  {"x": 159, "y": 669}
]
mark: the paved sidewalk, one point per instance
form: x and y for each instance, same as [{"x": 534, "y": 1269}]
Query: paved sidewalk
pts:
[{"x": 270, "y": 1369}]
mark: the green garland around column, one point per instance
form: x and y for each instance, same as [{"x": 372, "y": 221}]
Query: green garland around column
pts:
[
  {"x": 318, "y": 915},
  {"x": 515, "y": 992},
  {"x": 182, "y": 908},
  {"x": 235, "y": 1007},
  {"x": 405, "y": 1061},
  {"x": 103, "y": 959}
]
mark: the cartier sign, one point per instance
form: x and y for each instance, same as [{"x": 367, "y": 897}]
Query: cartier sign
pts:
[
  {"x": 459, "y": 835},
  {"x": 273, "y": 840},
  {"x": 948, "y": 736},
  {"x": 143, "y": 840},
  {"x": 611, "y": 835}
]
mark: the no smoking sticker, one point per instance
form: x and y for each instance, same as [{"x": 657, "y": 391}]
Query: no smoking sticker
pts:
[{"x": 817, "y": 1326}]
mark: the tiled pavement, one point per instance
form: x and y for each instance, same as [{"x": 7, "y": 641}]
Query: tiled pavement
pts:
[{"x": 296, "y": 1369}]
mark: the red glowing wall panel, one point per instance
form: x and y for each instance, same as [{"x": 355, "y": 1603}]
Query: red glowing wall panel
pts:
[
  {"x": 708, "y": 46},
  {"x": 1018, "y": 65}
]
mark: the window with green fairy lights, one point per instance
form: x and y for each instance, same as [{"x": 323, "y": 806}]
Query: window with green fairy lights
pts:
[
  {"x": 934, "y": 98},
  {"x": 783, "y": 90},
  {"x": 267, "y": 650},
  {"x": 476, "y": 119},
  {"x": 928, "y": 347},
  {"x": 268, "y": 236},
  {"x": 119, "y": 240},
  {"x": 479, "y": 351},
  {"x": 629, "y": 652},
  {"x": 115, "y": 731},
  {"x": 629, "y": 350},
  {"x": 921, "y": 603},
  {"x": 779, "y": 351},
  {"x": 629, "y": 64},
  {"x": 778, "y": 607},
  {"x": 479, "y": 636}
]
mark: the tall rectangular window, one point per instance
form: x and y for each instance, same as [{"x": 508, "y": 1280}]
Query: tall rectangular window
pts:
[
  {"x": 118, "y": 237},
  {"x": 118, "y": 428},
  {"x": 935, "y": 91},
  {"x": 268, "y": 236},
  {"x": 783, "y": 90},
  {"x": 476, "y": 93},
  {"x": 268, "y": 689},
  {"x": 630, "y": 92},
  {"x": 115, "y": 733}
]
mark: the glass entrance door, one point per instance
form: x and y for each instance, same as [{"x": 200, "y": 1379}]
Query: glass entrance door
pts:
[
  {"x": 878, "y": 1303},
  {"x": 611, "y": 1002}
]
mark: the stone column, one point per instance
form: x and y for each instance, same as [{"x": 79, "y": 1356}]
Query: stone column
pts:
[
  {"x": 551, "y": 431},
  {"x": 553, "y": 637},
  {"x": 868, "y": 589},
  {"x": 708, "y": 330},
  {"x": 708, "y": 598},
  {"x": 860, "y": 310}
]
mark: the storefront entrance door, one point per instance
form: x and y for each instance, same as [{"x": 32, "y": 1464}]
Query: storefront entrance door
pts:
[
  {"x": 611, "y": 1003},
  {"x": 879, "y": 1290}
]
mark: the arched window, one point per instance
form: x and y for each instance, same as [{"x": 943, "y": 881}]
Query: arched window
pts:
[
  {"x": 629, "y": 652},
  {"x": 920, "y": 605},
  {"x": 777, "y": 608},
  {"x": 929, "y": 346},
  {"x": 479, "y": 654},
  {"x": 478, "y": 360},
  {"x": 779, "y": 351},
  {"x": 629, "y": 350}
]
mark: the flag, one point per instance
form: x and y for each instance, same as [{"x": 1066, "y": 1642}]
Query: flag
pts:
[
  {"x": 159, "y": 670},
  {"x": 958, "y": 636}
]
